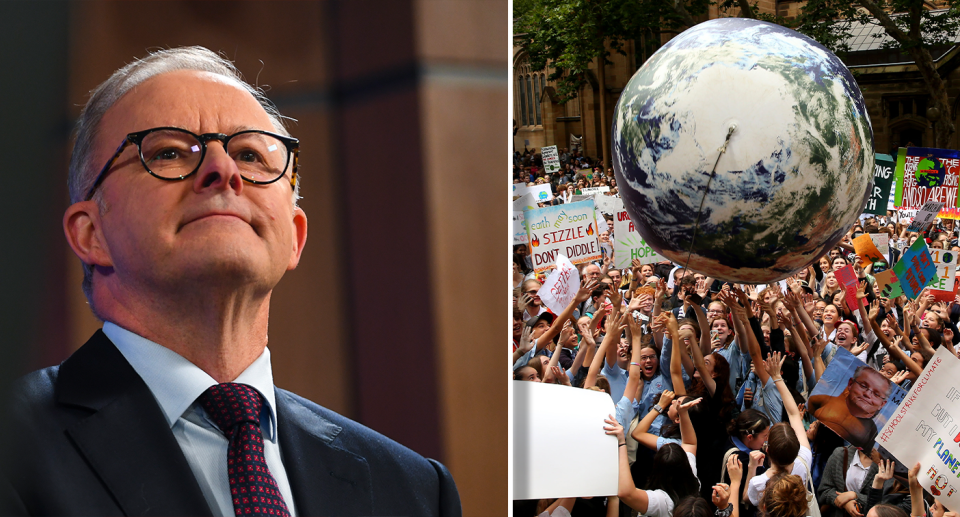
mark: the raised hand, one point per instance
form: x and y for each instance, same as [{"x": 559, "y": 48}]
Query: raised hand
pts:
[
  {"x": 524, "y": 301},
  {"x": 874, "y": 310},
  {"x": 661, "y": 292},
  {"x": 690, "y": 403},
  {"x": 772, "y": 363},
  {"x": 666, "y": 398},
  {"x": 756, "y": 459},
  {"x": 586, "y": 288},
  {"x": 703, "y": 288},
  {"x": 560, "y": 374},
  {"x": 899, "y": 376},
  {"x": 808, "y": 303},
  {"x": 666, "y": 321},
  {"x": 614, "y": 294},
  {"x": 566, "y": 332},
  {"x": 857, "y": 350},
  {"x": 613, "y": 428},
  {"x": 735, "y": 468},
  {"x": 721, "y": 493},
  {"x": 525, "y": 342}
]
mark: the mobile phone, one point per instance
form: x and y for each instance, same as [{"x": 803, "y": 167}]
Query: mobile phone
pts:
[{"x": 714, "y": 334}]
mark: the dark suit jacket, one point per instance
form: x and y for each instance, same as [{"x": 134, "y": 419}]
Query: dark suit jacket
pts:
[{"x": 92, "y": 440}]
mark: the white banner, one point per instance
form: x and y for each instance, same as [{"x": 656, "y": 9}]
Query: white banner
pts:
[
  {"x": 548, "y": 418},
  {"x": 628, "y": 244},
  {"x": 519, "y": 230},
  {"x": 551, "y": 160},
  {"x": 925, "y": 429},
  {"x": 560, "y": 286},
  {"x": 569, "y": 229}
]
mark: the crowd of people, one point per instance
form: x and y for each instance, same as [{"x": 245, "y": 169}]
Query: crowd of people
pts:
[{"x": 712, "y": 380}]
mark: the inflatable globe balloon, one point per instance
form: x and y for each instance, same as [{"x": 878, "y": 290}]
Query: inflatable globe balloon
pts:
[{"x": 759, "y": 131}]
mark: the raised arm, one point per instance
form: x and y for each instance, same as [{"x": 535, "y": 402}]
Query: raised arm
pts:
[
  {"x": 688, "y": 436},
  {"x": 641, "y": 433},
  {"x": 667, "y": 321},
  {"x": 565, "y": 334},
  {"x": 705, "y": 345},
  {"x": 597, "y": 363},
  {"x": 586, "y": 287},
  {"x": 633, "y": 381},
  {"x": 772, "y": 365},
  {"x": 892, "y": 347},
  {"x": 634, "y": 497}
]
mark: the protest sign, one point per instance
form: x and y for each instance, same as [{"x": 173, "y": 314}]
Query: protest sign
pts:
[
  {"x": 925, "y": 426},
  {"x": 882, "y": 242},
  {"x": 854, "y": 404},
  {"x": 549, "y": 419},
  {"x": 519, "y": 189},
  {"x": 551, "y": 160},
  {"x": 601, "y": 222},
  {"x": 882, "y": 179},
  {"x": 915, "y": 269},
  {"x": 540, "y": 193},
  {"x": 925, "y": 216},
  {"x": 906, "y": 216},
  {"x": 569, "y": 229},
  {"x": 560, "y": 286},
  {"x": 519, "y": 230},
  {"x": 888, "y": 285},
  {"x": 594, "y": 191},
  {"x": 944, "y": 287},
  {"x": 926, "y": 174},
  {"x": 867, "y": 250},
  {"x": 525, "y": 202},
  {"x": 609, "y": 205},
  {"x": 848, "y": 277},
  {"x": 628, "y": 244}
]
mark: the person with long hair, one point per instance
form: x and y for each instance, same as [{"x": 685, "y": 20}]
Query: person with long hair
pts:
[
  {"x": 785, "y": 496},
  {"x": 787, "y": 442}
]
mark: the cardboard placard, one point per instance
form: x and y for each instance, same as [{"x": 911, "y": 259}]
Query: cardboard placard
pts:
[
  {"x": 525, "y": 202},
  {"x": 594, "y": 191},
  {"x": 608, "y": 204},
  {"x": 944, "y": 287},
  {"x": 548, "y": 418},
  {"x": 915, "y": 269},
  {"x": 848, "y": 277},
  {"x": 888, "y": 285},
  {"x": 629, "y": 245},
  {"x": 925, "y": 429},
  {"x": 867, "y": 250},
  {"x": 551, "y": 159},
  {"x": 519, "y": 229},
  {"x": 569, "y": 229},
  {"x": 560, "y": 287},
  {"x": 882, "y": 242},
  {"x": 927, "y": 174},
  {"x": 883, "y": 175},
  {"x": 925, "y": 216}
]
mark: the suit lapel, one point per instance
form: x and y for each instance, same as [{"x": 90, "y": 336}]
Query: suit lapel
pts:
[
  {"x": 126, "y": 440},
  {"x": 324, "y": 479}
]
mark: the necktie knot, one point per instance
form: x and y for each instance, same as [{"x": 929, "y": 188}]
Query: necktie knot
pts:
[{"x": 230, "y": 404}]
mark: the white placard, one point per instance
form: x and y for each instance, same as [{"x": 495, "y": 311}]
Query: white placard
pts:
[
  {"x": 592, "y": 191},
  {"x": 608, "y": 204},
  {"x": 925, "y": 216},
  {"x": 569, "y": 229},
  {"x": 551, "y": 160},
  {"x": 560, "y": 287},
  {"x": 525, "y": 202},
  {"x": 628, "y": 244},
  {"x": 540, "y": 193},
  {"x": 925, "y": 426},
  {"x": 946, "y": 263},
  {"x": 559, "y": 447},
  {"x": 602, "y": 222},
  {"x": 882, "y": 242},
  {"x": 519, "y": 230}
]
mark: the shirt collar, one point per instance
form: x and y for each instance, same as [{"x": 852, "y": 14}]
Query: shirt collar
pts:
[
  {"x": 176, "y": 382},
  {"x": 856, "y": 461},
  {"x": 736, "y": 441}
]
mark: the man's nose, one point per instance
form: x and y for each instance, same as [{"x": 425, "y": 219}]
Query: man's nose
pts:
[{"x": 218, "y": 170}]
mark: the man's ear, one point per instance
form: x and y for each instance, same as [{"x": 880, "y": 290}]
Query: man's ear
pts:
[
  {"x": 81, "y": 226},
  {"x": 300, "y": 237}
]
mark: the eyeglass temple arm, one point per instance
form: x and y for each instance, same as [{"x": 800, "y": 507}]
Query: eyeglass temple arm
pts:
[{"x": 106, "y": 167}]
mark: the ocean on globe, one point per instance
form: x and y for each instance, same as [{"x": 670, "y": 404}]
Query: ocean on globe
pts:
[{"x": 797, "y": 168}]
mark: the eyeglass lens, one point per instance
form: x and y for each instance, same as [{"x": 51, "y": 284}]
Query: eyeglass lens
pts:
[{"x": 174, "y": 154}]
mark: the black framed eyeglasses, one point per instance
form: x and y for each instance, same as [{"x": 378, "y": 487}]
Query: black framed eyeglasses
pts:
[{"x": 172, "y": 154}]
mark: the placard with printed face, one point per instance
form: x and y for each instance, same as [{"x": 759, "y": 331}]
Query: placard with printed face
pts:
[{"x": 569, "y": 229}]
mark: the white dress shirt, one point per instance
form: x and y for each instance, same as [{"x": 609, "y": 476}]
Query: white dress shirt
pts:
[{"x": 176, "y": 383}]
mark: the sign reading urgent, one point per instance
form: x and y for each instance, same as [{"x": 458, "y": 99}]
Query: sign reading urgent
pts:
[
  {"x": 926, "y": 174},
  {"x": 569, "y": 229},
  {"x": 628, "y": 244}
]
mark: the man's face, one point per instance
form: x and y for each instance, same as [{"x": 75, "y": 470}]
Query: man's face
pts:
[
  {"x": 212, "y": 229},
  {"x": 592, "y": 272},
  {"x": 868, "y": 393},
  {"x": 818, "y": 310}
]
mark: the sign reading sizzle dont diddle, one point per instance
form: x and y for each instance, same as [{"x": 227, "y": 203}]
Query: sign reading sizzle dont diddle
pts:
[{"x": 569, "y": 229}]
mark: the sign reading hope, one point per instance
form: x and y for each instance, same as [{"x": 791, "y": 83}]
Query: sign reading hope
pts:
[
  {"x": 569, "y": 229},
  {"x": 628, "y": 244}
]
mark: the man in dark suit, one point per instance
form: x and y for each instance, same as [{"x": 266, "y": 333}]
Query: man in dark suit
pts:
[{"x": 184, "y": 230}]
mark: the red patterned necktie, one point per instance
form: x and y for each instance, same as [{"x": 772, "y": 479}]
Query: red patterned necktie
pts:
[{"x": 235, "y": 408}]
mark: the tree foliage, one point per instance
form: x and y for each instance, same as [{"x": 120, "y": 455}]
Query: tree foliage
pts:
[{"x": 572, "y": 34}]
